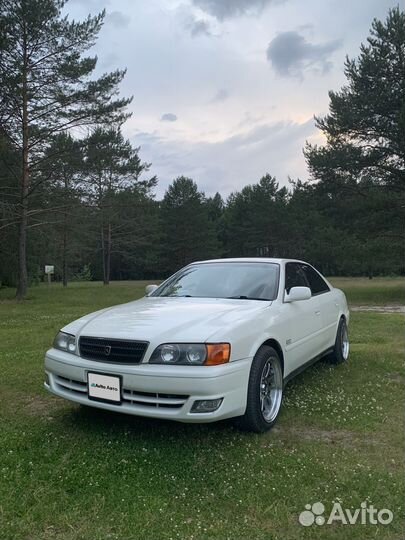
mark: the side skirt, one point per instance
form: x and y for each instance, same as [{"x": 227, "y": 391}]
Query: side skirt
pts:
[{"x": 302, "y": 368}]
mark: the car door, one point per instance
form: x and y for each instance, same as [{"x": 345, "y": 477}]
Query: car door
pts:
[
  {"x": 302, "y": 320},
  {"x": 328, "y": 307}
]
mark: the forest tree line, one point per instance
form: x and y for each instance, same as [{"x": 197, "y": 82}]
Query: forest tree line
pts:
[{"x": 74, "y": 193}]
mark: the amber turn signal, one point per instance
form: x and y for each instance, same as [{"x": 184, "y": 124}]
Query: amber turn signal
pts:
[{"x": 218, "y": 353}]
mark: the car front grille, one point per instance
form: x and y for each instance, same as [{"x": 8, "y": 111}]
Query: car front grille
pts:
[
  {"x": 116, "y": 351},
  {"x": 130, "y": 397}
]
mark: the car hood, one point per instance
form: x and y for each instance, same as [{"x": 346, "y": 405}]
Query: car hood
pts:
[{"x": 167, "y": 319}]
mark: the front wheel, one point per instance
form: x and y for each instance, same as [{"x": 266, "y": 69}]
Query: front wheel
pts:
[
  {"x": 265, "y": 392},
  {"x": 341, "y": 349}
]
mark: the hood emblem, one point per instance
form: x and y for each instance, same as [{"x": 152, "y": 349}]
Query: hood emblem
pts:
[{"x": 107, "y": 350}]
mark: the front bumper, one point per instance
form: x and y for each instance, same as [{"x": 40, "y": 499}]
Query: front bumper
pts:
[{"x": 153, "y": 390}]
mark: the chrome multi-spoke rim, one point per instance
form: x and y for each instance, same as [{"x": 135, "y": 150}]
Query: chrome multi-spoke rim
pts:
[
  {"x": 345, "y": 342},
  {"x": 271, "y": 389}
]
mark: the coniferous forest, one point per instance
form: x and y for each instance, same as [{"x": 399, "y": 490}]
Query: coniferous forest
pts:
[{"x": 75, "y": 193}]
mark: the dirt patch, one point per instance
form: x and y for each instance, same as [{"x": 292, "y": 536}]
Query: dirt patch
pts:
[
  {"x": 338, "y": 436},
  {"x": 311, "y": 434},
  {"x": 396, "y": 377},
  {"x": 379, "y": 309},
  {"x": 40, "y": 406}
]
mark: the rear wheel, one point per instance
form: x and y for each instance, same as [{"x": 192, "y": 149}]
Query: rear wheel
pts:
[
  {"x": 341, "y": 349},
  {"x": 265, "y": 392}
]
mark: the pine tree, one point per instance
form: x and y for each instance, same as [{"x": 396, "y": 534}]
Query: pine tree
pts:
[
  {"x": 363, "y": 159},
  {"x": 188, "y": 233},
  {"x": 365, "y": 127},
  {"x": 111, "y": 166},
  {"x": 9, "y": 176},
  {"x": 255, "y": 220},
  {"x": 63, "y": 171},
  {"x": 46, "y": 88}
]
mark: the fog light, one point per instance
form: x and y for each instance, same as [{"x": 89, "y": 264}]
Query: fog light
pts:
[
  {"x": 47, "y": 382},
  {"x": 206, "y": 405}
]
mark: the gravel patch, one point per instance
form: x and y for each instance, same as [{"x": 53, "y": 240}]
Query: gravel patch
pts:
[{"x": 379, "y": 309}]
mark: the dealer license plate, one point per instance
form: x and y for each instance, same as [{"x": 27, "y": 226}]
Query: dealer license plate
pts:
[{"x": 104, "y": 387}]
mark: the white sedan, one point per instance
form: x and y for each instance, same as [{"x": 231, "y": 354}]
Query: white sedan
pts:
[{"x": 218, "y": 339}]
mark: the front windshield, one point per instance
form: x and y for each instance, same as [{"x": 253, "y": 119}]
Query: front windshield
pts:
[{"x": 242, "y": 280}]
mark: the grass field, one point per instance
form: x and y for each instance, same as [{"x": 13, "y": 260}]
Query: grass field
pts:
[
  {"x": 74, "y": 474},
  {"x": 376, "y": 291}
]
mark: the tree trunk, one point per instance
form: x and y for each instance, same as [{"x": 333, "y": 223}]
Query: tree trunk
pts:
[
  {"x": 65, "y": 242},
  {"x": 22, "y": 279},
  {"x": 103, "y": 254},
  {"x": 64, "y": 250},
  {"x": 108, "y": 256}
]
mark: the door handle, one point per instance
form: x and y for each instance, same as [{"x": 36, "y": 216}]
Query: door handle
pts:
[{"x": 317, "y": 312}]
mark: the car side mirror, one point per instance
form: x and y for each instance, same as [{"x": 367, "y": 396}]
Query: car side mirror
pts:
[
  {"x": 298, "y": 293},
  {"x": 150, "y": 288}
]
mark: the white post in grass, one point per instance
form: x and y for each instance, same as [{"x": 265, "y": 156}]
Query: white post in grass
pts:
[{"x": 49, "y": 270}]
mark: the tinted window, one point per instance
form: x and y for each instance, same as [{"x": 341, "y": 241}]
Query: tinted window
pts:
[
  {"x": 317, "y": 284},
  {"x": 294, "y": 276},
  {"x": 248, "y": 280}
]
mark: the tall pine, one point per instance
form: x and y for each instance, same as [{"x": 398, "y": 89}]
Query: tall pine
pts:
[
  {"x": 365, "y": 127},
  {"x": 111, "y": 166},
  {"x": 187, "y": 232},
  {"x": 47, "y": 88},
  {"x": 364, "y": 154}
]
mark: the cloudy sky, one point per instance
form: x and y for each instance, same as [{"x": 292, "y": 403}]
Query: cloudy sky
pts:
[{"x": 225, "y": 90}]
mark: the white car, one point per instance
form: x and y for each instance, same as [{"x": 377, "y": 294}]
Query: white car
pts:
[{"x": 218, "y": 339}]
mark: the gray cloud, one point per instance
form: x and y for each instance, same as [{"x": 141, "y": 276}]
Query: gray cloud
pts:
[
  {"x": 168, "y": 117},
  {"x": 230, "y": 164},
  {"x": 94, "y": 5},
  {"x": 291, "y": 54},
  {"x": 193, "y": 70},
  {"x": 199, "y": 27},
  {"x": 226, "y": 9},
  {"x": 221, "y": 95},
  {"x": 117, "y": 19}
]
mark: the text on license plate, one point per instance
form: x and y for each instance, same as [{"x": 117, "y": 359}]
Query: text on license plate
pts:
[{"x": 104, "y": 387}]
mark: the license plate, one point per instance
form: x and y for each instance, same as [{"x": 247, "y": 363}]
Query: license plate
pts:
[{"x": 102, "y": 387}]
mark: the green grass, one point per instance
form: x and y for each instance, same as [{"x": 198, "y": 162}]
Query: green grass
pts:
[
  {"x": 377, "y": 291},
  {"x": 74, "y": 474}
]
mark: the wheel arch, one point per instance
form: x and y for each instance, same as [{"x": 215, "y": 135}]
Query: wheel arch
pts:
[
  {"x": 271, "y": 342},
  {"x": 344, "y": 317}
]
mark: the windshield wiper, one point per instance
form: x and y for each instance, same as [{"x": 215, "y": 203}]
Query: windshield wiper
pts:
[{"x": 243, "y": 297}]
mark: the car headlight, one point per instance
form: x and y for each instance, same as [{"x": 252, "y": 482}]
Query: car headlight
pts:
[
  {"x": 191, "y": 354},
  {"x": 65, "y": 342}
]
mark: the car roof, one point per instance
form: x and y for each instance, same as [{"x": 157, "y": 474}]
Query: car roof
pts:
[{"x": 249, "y": 259}]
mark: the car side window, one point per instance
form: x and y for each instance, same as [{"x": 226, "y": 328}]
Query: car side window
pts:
[
  {"x": 317, "y": 284},
  {"x": 294, "y": 276}
]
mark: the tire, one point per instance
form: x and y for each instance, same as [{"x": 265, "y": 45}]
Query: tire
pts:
[
  {"x": 341, "y": 349},
  {"x": 262, "y": 409}
]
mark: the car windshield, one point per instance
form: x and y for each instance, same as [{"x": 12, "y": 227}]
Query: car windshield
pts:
[{"x": 242, "y": 280}]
